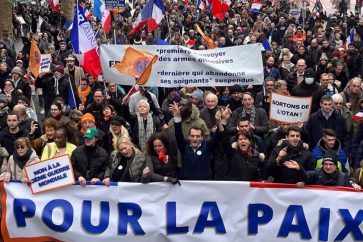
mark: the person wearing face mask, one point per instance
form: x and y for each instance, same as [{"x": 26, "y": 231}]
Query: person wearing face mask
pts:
[
  {"x": 74, "y": 71},
  {"x": 309, "y": 88}
]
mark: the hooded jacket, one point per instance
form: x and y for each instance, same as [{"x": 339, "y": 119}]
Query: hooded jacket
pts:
[{"x": 320, "y": 150}]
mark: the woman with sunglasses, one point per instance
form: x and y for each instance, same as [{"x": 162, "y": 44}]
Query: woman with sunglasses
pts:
[{"x": 23, "y": 155}]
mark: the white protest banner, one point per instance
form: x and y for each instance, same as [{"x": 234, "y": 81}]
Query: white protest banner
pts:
[
  {"x": 295, "y": 12},
  {"x": 195, "y": 211},
  {"x": 45, "y": 61},
  {"x": 181, "y": 66},
  {"x": 289, "y": 109},
  {"x": 50, "y": 174}
]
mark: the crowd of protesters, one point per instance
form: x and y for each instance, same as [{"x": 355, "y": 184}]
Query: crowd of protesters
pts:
[{"x": 189, "y": 133}]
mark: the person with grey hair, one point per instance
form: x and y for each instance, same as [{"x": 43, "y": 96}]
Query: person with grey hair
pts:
[
  {"x": 338, "y": 105},
  {"x": 144, "y": 123}
]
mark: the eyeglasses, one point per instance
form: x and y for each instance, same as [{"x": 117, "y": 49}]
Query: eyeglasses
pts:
[{"x": 20, "y": 147}]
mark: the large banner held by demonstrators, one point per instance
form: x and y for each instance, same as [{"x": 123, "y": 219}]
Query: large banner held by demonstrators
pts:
[
  {"x": 180, "y": 66},
  {"x": 207, "y": 211},
  {"x": 50, "y": 174},
  {"x": 289, "y": 109}
]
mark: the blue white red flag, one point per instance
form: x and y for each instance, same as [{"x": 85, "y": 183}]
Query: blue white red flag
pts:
[
  {"x": 151, "y": 15},
  {"x": 84, "y": 44},
  {"x": 102, "y": 14},
  {"x": 350, "y": 38}
]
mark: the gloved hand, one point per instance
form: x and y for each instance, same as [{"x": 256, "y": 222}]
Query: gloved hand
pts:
[{"x": 173, "y": 181}]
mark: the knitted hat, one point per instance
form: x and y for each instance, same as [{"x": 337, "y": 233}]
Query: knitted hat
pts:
[
  {"x": 198, "y": 94},
  {"x": 59, "y": 68},
  {"x": 88, "y": 116},
  {"x": 17, "y": 70},
  {"x": 330, "y": 156}
]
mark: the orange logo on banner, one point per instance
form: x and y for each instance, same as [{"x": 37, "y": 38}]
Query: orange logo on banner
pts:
[{"x": 137, "y": 63}]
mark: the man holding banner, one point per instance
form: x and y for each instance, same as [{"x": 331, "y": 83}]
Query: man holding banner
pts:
[{"x": 90, "y": 160}]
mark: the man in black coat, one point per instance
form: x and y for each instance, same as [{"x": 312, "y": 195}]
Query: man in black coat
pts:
[
  {"x": 55, "y": 85},
  {"x": 290, "y": 149},
  {"x": 9, "y": 134},
  {"x": 327, "y": 118},
  {"x": 90, "y": 160},
  {"x": 21, "y": 86},
  {"x": 309, "y": 88}
]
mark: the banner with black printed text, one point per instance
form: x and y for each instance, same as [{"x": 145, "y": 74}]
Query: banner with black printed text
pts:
[{"x": 180, "y": 66}]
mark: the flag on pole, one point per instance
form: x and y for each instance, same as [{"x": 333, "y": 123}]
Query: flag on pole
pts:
[
  {"x": 102, "y": 14},
  {"x": 137, "y": 63},
  {"x": 210, "y": 42},
  {"x": 201, "y": 5},
  {"x": 266, "y": 45},
  {"x": 151, "y": 15},
  {"x": 220, "y": 8},
  {"x": 350, "y": 38},
  {"x": 54, "y": 4},
  {"x": 87, "y": 14},
  {"x": 71, "y": 98},
  {"x": 34, "y": 58},
  {"x": 84, "y": 44},
  {"x": 256, "y": 6}
]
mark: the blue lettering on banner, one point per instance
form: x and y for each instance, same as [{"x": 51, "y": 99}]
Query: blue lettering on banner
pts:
[
  {"x": 132, "y": 219},
  {"x": 324, "y": 217},
  {"x": 351, "y": 225},
  {"x": 171, "y": 227},
  {"x": 301, "y": 226},
  {"x": 216, "y": 222},
  {"x": 254, "y": 220},
  {"x": 21, "y": 214},
  {"x": 67, "y": 211},
  {"x": 129, "y": 214},
  {"x": 104, "y": 217}
]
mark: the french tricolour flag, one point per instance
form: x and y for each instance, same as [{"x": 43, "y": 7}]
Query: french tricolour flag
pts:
[
  {"x": 256, "y": 6},
  {"x": 54, "y": 4},
  {"x": 350, "y": 38},
  {"x": 103, "y": 15},
  {"x": 151, "y": 15},
  {"x": 84, "y": 44},
  {"x": 358, "y": 116}
]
